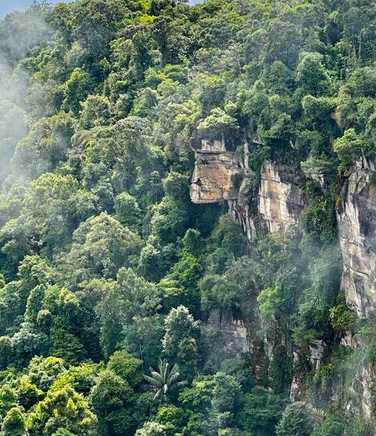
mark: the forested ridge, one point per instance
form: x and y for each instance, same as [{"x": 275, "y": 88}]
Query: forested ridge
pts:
[{"x": 110, "y": 276}]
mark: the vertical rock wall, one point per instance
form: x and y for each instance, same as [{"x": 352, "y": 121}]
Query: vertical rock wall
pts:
[
  {"x": 356, "y": 215},
  {"x": 213, "y": 177},
  {"x": 280, "y": 197},
  {"x": 357, "y": 229},
  {"x": 272, "y": 203}
]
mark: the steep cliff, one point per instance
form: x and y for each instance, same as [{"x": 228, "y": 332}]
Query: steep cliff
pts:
[
  {"x": 280, "y": 196},
  {"x": 213, "y": 177},
  {"x": 278, "y": 201},
  {"x": 271, "y": 203},
  {"x": 356, "y": 214},
  {"x": 357, "y": 231}
]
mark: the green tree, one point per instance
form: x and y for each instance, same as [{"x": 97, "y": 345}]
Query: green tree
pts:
[
  {"x": 332, "y": 425},
  {"x": 76, "y": 89},
  {"x": 127, "y": 367},
  {"x": 71, "y": 412},
  {"x": 311, "y": 74},
  {"x": 224, "y": 404},
  {"x": 261, "y": 411},
  {"x": 95, "y": 111},
  {"x": 14, "y": 423},
  {"x": 45, "y": 146},
  {"x": 128, "y": 211},
  {"x": 296, "y": 421},
  {"x": 164, "y": 381},
  {"x": 350, "y": 146},
  {"x": 180, "y": 341},
  {"x": 172, "y": 418},
  {"x": 101, "y": 246},
  {"x": 112, "y": 398},
  {"x": 151, "y": 428},
  {"x": 5, "y": 351},
  {"x": 43, "y": 371},
  {"x": 123, "y": 308}
]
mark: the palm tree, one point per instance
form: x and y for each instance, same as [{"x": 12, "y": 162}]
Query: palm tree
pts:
[{"x": 164, "y": 380}]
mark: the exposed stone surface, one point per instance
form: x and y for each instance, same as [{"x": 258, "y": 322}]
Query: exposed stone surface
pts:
[
  {"x": 361, "y": 379},
  {"x": 243, "y": 215},
  {"x": 316, "y": 349},
  {"x": 213, "y": 177},
  {"x": 234, "y": 333},
  {"x": 274, "y": 203},
  {"x": 357, "y": 230},
  {"x": 298, "y": 380},
  {"x": 213, "y": 145},
  {"x": 239, "y": 337},
  {"x": 280, "y": 196}
]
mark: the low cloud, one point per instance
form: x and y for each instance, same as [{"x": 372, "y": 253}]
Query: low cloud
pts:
[{"x": 20, "y": 33}]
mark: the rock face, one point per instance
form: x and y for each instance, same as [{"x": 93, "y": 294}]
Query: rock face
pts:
[
  {"x": 215, "y": 173},
  {"x": 271, "y": 202},
  {"x": 361, "y": 379},
  {"x": 234, "y": 333},
  {"x": 274, "y": 201},
  {"x": 213, "y": 177},
  {"x": 356, "y": 215},
  {"x": 357, "y": 229},
  {"x": 280, "y": 197},
  {"x": 275, "y": 204}
]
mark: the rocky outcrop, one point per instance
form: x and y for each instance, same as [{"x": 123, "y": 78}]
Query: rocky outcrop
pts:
[
  {"x": 356, "y": 216},
  {"x": 214, "y": 177},
  {"x": 215, "y": 174},
  {"x": 360, "y": 378},
  {"x": 280, "y": 196},
  {"x": 238, "y": 337},
  {"x": 234, "y": 332},
  {"x": 273, "y": 202},
  {"x": 357, "y": 229}
]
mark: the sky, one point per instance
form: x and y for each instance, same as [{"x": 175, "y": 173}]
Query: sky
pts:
[{"x": 7, "y": 6}]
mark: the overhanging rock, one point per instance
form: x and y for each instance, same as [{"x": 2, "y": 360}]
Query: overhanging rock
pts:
[{"x": 216, "y": 174}]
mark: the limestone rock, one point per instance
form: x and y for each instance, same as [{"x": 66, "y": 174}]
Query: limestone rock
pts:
[
  {"x": 274, "y": 203},
  {"x": 280, "y": 197},
  {"x": 214, "y": 176},
  {"x": 357, "y": 229}
]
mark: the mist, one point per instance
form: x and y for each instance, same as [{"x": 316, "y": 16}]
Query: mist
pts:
[
  {"x": 8, "y": 6},
  {"x": 20, "y": 34}
]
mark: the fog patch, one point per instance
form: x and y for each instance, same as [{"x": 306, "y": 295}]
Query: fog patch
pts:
[{"x": 20, "y": 34}]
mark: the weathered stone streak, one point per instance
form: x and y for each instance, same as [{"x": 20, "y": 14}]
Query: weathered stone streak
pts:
[
  {"x": 280, "y": 197},
  {"x": 273, "y": 202},
  {"x": 213, "y": 177},
  {"x": 356, "y": 215},
  {"x": 357, "y": 230}
]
